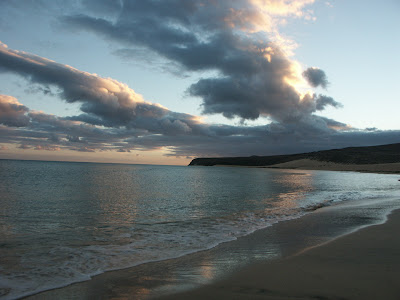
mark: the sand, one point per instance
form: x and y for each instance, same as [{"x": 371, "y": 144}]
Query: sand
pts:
[
  {"x": 308, "y": 164},
  {"x": 362, "y": 265}
]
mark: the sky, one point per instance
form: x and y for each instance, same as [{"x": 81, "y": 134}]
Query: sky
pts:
[{"x": 165, "y": 81}]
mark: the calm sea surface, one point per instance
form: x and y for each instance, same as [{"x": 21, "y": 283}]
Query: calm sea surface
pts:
[{"x": 65, "y": 222}]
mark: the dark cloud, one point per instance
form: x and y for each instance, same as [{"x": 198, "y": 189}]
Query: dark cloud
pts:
[
  {"x": 253, "y": 73},
  {"x": 52, "y": 133},
  {"x": 106, "y": 8},
  {"x": 265, "y": 142},
  {"x": 49, "y": 132},
  {"x": 74, "y": 139},
  {"x": 252, "y": 78},
  {"x": 104, "y": 101},
  {"x": 23, "y": 146},
  {"x": 316, "y": 77},
  {"x": 322, "y": 101}
]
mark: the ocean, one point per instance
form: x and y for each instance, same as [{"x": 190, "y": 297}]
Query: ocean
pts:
[{"x": 64, "y": 222}]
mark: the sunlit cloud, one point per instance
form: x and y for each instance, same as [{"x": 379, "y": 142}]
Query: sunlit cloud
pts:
[
  {"x": 254, "y": 77},
  {"x": 47, "y": 148},
  {"x": 12, "y": 113},
  {"x": 240, "y": 40}
]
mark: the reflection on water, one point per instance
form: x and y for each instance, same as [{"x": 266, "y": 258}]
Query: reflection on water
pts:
[
  {"x": 64, "y": 222},
  {"x": 297, "y": 184},
  {"x": 207, "y": 271}
]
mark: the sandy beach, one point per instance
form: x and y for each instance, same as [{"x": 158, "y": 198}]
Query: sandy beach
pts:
[
  {"x": 362, "y": 265},
  {"x": 309, "y": 164}
]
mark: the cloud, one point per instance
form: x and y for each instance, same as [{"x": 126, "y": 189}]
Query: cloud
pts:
[
  {"x": 106, "y": 8},
  {"x": 104, "y": 101},
  {"x": 83, "y": 149},
  {"x": 255, "y": 76},
  {"x": 47, "y": 148},
  {"x": 267, "y": 141},
  {"x": 114, "y": 117},
  {"x": 322, "y": 101},
  {"x": 12, "y": 113},
  {"x": 23, "y": 146},
  {"x": 238, "y": 41},
  {"x": 51, "y": 133},
  {"x": 316, "y": 77},
  {"x": 107, "y": 97}
]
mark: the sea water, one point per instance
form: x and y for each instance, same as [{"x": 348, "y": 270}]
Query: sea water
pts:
[{"x": 62, "y": 222}]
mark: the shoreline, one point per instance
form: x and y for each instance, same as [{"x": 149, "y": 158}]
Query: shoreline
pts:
[
  {"x": 361, "y": 265},
  {"x": 310, "y": 164},
  {"x": 156, "y": 279}
]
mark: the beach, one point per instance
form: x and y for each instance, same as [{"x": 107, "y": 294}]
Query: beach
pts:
[
  {"x": 362, "y": 265},
  {"x": 184, "y": 149},
  {"x": 309, "y": 164},
  {"x": 108, "y": 231},
  {"x": 331, "y": 253}
]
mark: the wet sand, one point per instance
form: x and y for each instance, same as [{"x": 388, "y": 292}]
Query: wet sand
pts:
[
  {"x": 362, "y": 265},
  {"x": 276, "y": 271}
]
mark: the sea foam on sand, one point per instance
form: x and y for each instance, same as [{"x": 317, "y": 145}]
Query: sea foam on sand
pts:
[{"x": 362, "y": 265}]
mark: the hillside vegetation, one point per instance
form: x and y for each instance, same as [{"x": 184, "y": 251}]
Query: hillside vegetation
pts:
[{"x": 353, "y": 155}]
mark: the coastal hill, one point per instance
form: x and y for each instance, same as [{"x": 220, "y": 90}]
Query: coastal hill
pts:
[{"x": 354, "y": 156}]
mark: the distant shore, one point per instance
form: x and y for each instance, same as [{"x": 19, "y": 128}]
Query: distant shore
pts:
[
  {"x": 309, "y": 164},
  {"x": 376, "y": 159},
  {"x": 361, "y": 265}
]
